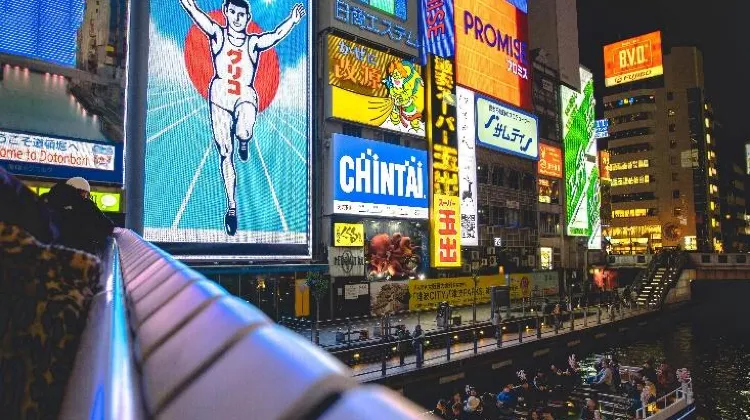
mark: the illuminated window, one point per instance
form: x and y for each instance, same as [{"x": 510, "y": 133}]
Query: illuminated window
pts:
[
  {"x": 632, "y": 180},
  {"x": 671, "y": 112},
  {"x": 619, "y": 214},
  {"x": 549, "y": 191},
  {"x": 677, "y": 211},
  {"x": 641, "y": 231},
  {"x": 633, "y": 164},
  {"x": 708, "y": 138},
  {"x": 714, "y": 222},
  {"x": 675, "y": 177},
  {"x": 713, "y": 189},
  {"x": 708, "y": 123},
  {"x": 713, "y": 206}
]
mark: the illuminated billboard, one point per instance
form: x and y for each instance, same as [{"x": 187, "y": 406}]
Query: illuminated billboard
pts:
[
  {"x": 374, "y": 88},
  {"x": 395, "y": 8},
  {"x": 437, "y": 29},
  {"x": 348, "y": 234},
  {"x": 601, "y": 129},
  {"x": 506, "y": 129},
  {"x": 493, "y": 35},
  {"x": 445, "y": 217},
  {"x": 61, "y": 83},
  {"x": 47, "y": 157},
  {"x": 228, "y": 130},
  {"x": 467, "y": 170},
  {"x": 633, "y": 59},
  {"x": 581, "y": 167},
  {"x": 390, "y": 23},
  {"x": 550, "y": 161},
  {"x": 373, "y": 178}
]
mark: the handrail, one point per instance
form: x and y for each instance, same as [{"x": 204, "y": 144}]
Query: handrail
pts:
[
  {"x": 684, "y": 391},
  {"x": 103, "y": 383}
]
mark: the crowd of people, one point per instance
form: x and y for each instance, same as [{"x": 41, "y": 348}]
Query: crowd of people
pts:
[{"x": 547, "y": 394}]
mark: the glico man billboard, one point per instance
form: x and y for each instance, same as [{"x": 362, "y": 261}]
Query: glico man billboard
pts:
[
  {"x": 581, "y": 168},
  {"x": 373, "y": 178},
  {"x": 374, "y": 88},
  {"x": 633, "y": 59},
  {"x": 492, "y": 50},
  {"x": 228, "y": 130}
]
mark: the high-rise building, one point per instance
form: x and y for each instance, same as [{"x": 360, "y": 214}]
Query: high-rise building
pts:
[
  {"x": 664, "y": 189},
  {"x": 733, "y": 184},
  {"x": 93, "y": 35}
]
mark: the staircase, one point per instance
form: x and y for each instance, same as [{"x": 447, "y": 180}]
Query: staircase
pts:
[{"x": 659, "y": 277}]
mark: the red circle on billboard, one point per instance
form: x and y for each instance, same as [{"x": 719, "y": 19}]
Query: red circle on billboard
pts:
[{"x": 200, "y": 67}]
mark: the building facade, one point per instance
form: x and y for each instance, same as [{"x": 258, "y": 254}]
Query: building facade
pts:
[{"x": 664, "y": 189}]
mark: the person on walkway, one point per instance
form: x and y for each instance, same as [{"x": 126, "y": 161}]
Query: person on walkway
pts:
[
  {"x": 605, "y": 377},
  {"x": 506, "y": 400},
  {"x": 556, "y": 315},
  {"x": 590, "y": 412},
  {"x": 418, "y": 343},
  {"x": 403, "y": 336},
  {"x": 82, "y": 225},
  {"x": 497, "y": 320}
]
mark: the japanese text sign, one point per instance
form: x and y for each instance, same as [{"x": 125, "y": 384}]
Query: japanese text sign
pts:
[
  {"x": 507, "y": 129},
  {"x": 467, "y": 171},
  {"x": 374, "y": 24},
  {"x": 446, "y": 232},
  {"x": 348, "y": 234},
  {"x": 374, "y": 88},
  {"x": 459, "y": 291},
  {"x": 550, "y": 161}
]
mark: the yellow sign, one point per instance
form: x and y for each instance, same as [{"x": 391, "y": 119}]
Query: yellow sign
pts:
[
  {"x": 348, "y": 234},
  {"x": 446, "y": 231},
  {"x": 374, "y": 88},
  {"x": 106, "y": 201},
  {"x": 427, "y": 294},
  {"x": 537, "y": 284},
  {"x": 520, "y": 285}
]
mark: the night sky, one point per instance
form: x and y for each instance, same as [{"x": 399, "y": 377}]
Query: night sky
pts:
[{"x": 718, "y": 28}]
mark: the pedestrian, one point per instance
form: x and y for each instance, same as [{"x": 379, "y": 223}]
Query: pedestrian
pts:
[
  {"x": 82, "y": 225},
  {"x": 556, "y": 315},
  {"x": 497, "y": 319},
  {"x": 418, "y": 343},
  {"x": 590, "y": 412},
  {"x": 403, "y": 336}
]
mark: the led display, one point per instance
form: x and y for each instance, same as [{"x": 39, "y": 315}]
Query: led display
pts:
[
  {"x": 633, "y": 59},
  {"x": 506, "y": 129},
  {"x": 396, "y": 8},
  {"x": 581, "y": 167},
  {"x": 374, "y": 88},
  {"x": 228, "y": 131}
]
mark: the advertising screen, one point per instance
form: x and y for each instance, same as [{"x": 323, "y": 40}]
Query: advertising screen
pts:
[
  {"x": 601, "y": 130},
  {"x": 379, "y": 179},
  {"x": 61, "y": 83},
  {"x": 467, "y": 170},
  {"x": 228, "y": 129},
  {"x": 395, "y": 8},
  {"x": 506, "y": 129},
  {"x": 581, "y": 166},
  {"x": 493, "y": 35},
  {"x": 437, "y": 29},
  {"x": 445, "y": 218},
  {"x": 395, "y": 250},
  {"x": 550, "y": 161},
  {"x": 633, "y": 59},
  {"x": 374, "y": 88}
]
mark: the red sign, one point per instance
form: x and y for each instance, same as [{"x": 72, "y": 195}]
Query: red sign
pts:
[{"x": 550, "y": 161}]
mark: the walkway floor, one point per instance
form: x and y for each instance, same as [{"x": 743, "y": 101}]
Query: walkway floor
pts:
[{"x": 434, "y": 357}]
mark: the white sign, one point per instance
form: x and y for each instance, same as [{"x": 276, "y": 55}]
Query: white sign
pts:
[
  {"x": 545, "y": 258},
  {"x": 467, "y": 170},
  {"x": 507, "y": 129},
  {"x": 497, "y": 241},
  {"x": 346, "y": 261},
  {"x": 59, "y": 152},
  {"x": 354, "y": 291}
]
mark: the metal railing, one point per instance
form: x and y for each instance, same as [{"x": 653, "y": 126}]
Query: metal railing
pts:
[
  {"x": 104, "y": 383},
  {"x": 441, "y": 346},
  {"x": 676, "y": 400}
]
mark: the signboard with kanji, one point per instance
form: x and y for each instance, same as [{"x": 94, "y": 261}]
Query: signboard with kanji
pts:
[
  {"x": 507, "y": 129},
  {"x": 445, "y": 232}
]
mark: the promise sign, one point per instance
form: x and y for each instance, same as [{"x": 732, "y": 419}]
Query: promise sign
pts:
[
  {"x": 633, "y": 59},
  {"x": 445, "y": 221}
]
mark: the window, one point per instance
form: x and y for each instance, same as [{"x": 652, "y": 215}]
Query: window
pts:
[
  {"x": 625, "y": 102},
  {"x": 528, "y": 182},
  {"x": 672, "y": 143},
  {"x": 549, "y": 224},
  {"x": 497, "y": 216},
  {"x": 675, "y": 176},
  {"x": 483, "y": 174},
  {"x": 635, "y": 132},
  {"x": 676, "y": 194},
  {"x": 708, "y": 138},
  {"x": 677, "y": 211},
  {"x": 498, "y": 176},
  {"x": 352, "y": 130},
  {"x": 513, "y": 180},
  {"x": 672, "y": 128},
  {"x": 622, "y": 119},
  {"x": 673, "y": 160},
  {"x": 670, "y": 96},
  {"x": 619, "y": 214},
  {"x": 633, "y": 148},
  {"x": 549, "y": 191},
  {"x": 391, "y": 138},
  {"x": 707, "y": 122},
  {"x": 670, "y": 113},
  {"x": 484, "y": 215},
  {"x": 632, "y": 180}
]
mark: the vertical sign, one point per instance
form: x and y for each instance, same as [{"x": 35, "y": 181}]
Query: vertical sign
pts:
[
  {"x": 445, "y": 232},
  {"x": 467, "y": 171},
  {"x": 437, "y": 29}
]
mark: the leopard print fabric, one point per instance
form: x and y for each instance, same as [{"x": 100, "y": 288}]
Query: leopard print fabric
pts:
[{"x": 44, "y": 296}]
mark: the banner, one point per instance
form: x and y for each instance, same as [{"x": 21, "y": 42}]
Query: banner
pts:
[
  {"x": 467, "y": 171},
  {"x": 228, "y": 129},
  {"x": 349, "y": 234},
  {"x": 428, "y": 294},
  {"x": 374, "y": 88},
  {"x": 445, "y": 238},
  {"x": 550, "y": 161},
  {"x": 537, "y": 284},
  {"x": 437, "y": 29},
  {"x": 346, "y": 261},
  {"x": 507, "y": 130},
  {"x": 378, "y": 179},
  {"x": 633, "y": 59},
  {"x": 388, "y": 297}
]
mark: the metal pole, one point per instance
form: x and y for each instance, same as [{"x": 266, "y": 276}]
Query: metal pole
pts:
[
  {"x": 520, "y": 332},
  {"x": 474, "y": 306}
]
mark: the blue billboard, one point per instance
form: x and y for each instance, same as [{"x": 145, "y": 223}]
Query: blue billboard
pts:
[
  {"x": 372, "y": 178},
  {"x": 436, "y": 29},
  {"x": 228, "y": 152}
]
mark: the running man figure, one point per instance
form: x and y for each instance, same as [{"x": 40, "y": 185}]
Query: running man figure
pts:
[{"x": 231, "y": 95}]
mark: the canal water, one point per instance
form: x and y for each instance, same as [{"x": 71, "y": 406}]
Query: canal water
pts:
[{"x": 711, "y": 338}]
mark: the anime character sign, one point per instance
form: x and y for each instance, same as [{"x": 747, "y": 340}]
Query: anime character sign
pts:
[{"x": 228, "y": 124}]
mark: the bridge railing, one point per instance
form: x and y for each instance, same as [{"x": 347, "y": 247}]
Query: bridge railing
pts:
[{"x": 202, "y": 353}]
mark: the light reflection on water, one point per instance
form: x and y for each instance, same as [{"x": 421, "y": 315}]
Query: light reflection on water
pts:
[{"x": 714, "y": 344}]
